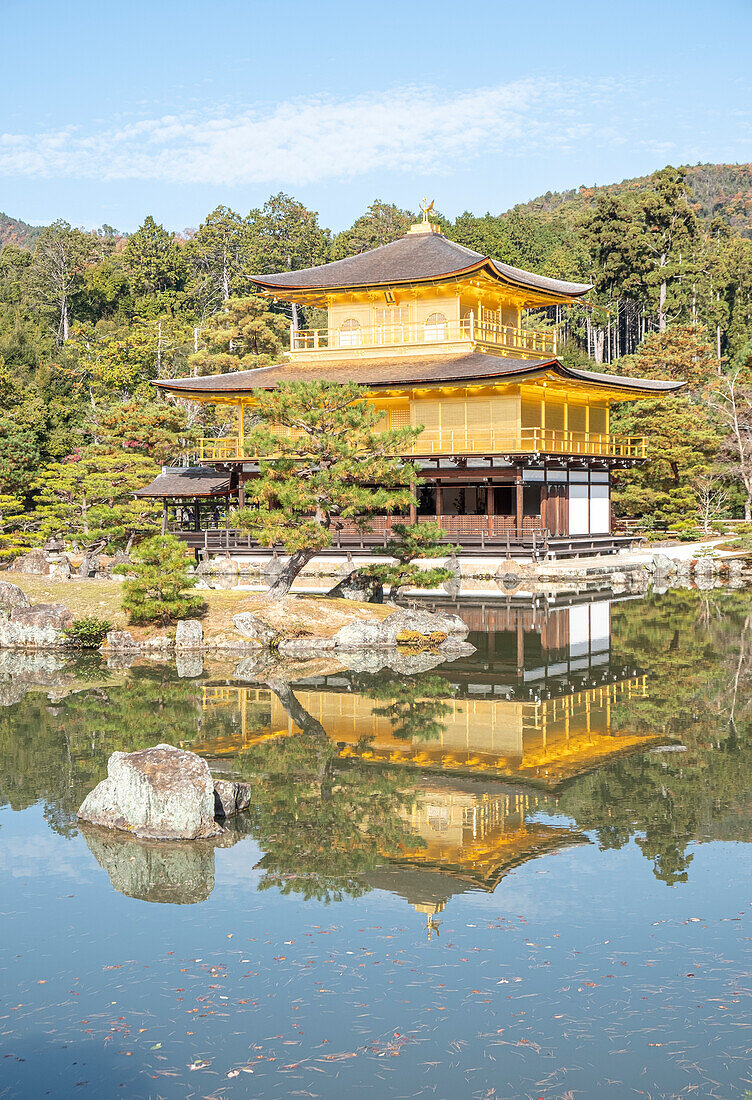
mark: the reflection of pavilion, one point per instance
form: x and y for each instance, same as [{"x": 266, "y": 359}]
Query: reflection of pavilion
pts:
[
  {"x": 544, "y": 740},
  {"x": 540, "y": 701}
]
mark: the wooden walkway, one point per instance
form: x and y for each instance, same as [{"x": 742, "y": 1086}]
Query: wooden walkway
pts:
[{"x": 530, "y": 542}]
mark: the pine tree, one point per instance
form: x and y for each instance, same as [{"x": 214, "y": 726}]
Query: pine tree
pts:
[
  {"x": 244, "y": 334},
  {"x": 159, "y": 588},
  {"x": 416, "y": 540},
  {"x": 322, "y": 459}
]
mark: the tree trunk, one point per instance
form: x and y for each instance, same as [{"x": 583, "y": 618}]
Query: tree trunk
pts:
[
  {"x": 662, "y": 307},
  {"x": 283, "y": 583},
  {"x": 64, "y": 320},
  {"x": 295, "y": 324},
  {"x": 297, "y": 712},
  {"x": 598, "y": 338},
  {"x": 225, "y": 278}
]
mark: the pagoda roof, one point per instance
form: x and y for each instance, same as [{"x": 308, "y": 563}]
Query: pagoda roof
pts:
[
  {"x": 186, "y": 481},
  {"x": 414, "y": 258},
  {"x": 402, "y": 372}
]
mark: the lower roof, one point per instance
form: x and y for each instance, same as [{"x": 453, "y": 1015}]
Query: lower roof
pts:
[
  {"x": 403, "y": 371},
  {"x": 189, "y": 481}
]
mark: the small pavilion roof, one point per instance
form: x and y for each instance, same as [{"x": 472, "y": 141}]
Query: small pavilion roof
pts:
[
  {"x": 414, "y": 258},
  {"x": 188, "y": 481},
  {"x": 403, "y": 372}
]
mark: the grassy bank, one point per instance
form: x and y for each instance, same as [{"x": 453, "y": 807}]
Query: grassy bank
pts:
[{"x": 296, "y": 616}]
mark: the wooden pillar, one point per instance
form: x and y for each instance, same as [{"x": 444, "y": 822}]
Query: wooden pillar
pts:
[
  {"x": 196, "y": 516},
  {"x": 241, "y": 432},
  {"x": 413, "y": 506},
  {"x": 439, "y": 503},
  {"x": 544, "y": 505},
  {"x": 164, "y": 518},
  {"x": 241, "y": 491},
  {"x": 490, "y": 506},
  {"x": 518, "y": 500}
]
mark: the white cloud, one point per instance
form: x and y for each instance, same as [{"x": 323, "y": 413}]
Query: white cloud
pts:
[{"x": 305, "y": 141}]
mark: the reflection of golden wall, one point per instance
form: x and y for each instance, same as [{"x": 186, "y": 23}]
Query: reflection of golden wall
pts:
[{"x": 550, "y": 737}]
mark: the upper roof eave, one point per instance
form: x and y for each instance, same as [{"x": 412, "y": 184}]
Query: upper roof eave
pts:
[{"x": 411, "y": 260}]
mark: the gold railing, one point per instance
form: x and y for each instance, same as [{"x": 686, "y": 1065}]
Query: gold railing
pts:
[
  {"x": 461, "y": 441},
  {"x": 507, "y": 338}
]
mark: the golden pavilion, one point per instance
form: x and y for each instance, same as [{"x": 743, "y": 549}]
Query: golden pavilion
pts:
[{"x": 515, "y": 451}]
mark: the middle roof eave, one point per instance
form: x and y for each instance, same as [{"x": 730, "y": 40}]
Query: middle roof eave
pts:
[{"x": 401, "y": 372}]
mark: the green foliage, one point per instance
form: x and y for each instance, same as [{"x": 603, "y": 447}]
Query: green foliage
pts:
[
  {"x": 89, "y": 496},
  {"x": 155, "y": 263},
  {"x": 217, "y": 254},
  {"x": 244, "y": 334},
  {"x": 382, "y": 223},
  {"x": 158, "y": 585},
  {"x": 88, "y": 632},
  {"x": 417, "y": 540}
]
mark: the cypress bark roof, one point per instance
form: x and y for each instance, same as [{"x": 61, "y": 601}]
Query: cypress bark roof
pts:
[
  {"x": 411, "y": 371},
  {"x": 189, "y": 481},
  {"x": 419, "y": 257}
]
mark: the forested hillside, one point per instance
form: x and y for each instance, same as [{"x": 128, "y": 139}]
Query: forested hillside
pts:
[
  {"x": 714, "y": 190},
  {"x": 89, "y": 319},
  {"x": 13, "y": 231}
]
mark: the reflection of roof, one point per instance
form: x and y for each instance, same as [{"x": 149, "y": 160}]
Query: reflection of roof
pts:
[
  {"x": 404, "y": 372},
  {"x": 189, "y": 481},
  {"x": 416, "y": 257},
  {"x": 484, "y": 862}
]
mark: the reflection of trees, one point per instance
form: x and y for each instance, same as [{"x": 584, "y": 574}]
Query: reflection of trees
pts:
[
  {"x": 416, "y": 705},
  {"x": 55, "y": 753},
  {"x": 323, "y": 821},
  {"x": 697, "y": 652}
]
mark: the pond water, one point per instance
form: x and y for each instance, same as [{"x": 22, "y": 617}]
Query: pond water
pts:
[{"x": 523, "y": 873}]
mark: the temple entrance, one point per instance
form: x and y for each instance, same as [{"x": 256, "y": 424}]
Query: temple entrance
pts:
[{"x": 464, "y": 500}]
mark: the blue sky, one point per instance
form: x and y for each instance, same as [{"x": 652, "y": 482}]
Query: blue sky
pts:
[{"x": 114, "y": 111}]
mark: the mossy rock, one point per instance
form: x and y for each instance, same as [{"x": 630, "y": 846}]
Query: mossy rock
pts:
[{"x": 415, "y": 640}]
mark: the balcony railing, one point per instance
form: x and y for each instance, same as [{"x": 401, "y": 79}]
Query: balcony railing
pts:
[
  {"x": 486, "y": 441},
  {"x": 506, "y": 338}
]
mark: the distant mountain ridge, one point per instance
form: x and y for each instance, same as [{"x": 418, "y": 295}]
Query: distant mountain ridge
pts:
[
  {"x": 717, "y": 190},
  {"x": 13, "y": 231}
]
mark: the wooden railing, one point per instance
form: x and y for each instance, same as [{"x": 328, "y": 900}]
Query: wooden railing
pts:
[
  {"x": 509, "y": 338},
  {"x": 461, "y": 441}
]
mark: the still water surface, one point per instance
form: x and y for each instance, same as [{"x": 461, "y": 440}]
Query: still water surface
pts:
[{"x": 524, "y": 873}]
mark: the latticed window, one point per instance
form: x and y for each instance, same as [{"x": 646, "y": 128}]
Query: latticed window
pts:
[
  {"x": 436, "y": 327},
  {"x": 393, "y": 315},
  {"x": 350, "y": 334},
  {"x": 438, "y": 818}
]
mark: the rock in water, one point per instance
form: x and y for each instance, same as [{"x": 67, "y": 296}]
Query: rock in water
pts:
[
  {"x": 231, "y": 797},
  {"x": 161, "y": 793},
  {"x": 154, "y": 870}
]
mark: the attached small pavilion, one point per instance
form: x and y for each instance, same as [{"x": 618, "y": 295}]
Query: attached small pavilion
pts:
[{"x": 515, "y": 451}]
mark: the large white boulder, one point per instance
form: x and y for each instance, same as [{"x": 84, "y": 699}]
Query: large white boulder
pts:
[
  {"x": 189, "y": 634},
  {"x": 398, "y": 627},
  {"x": 162, "y": 793}
]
